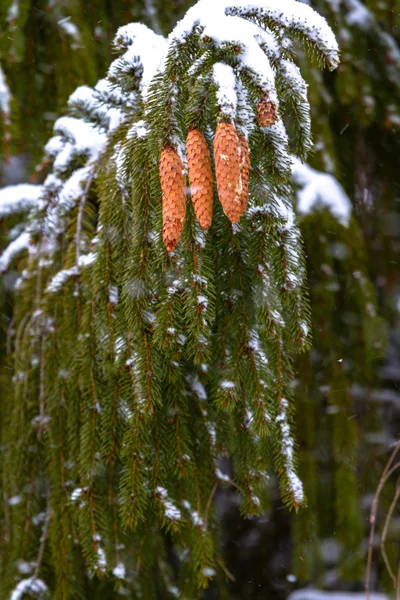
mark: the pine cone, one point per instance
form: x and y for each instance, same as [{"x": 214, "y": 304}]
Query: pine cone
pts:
[
  {"x": 244, "y": 172},
  {"x": 227, "y": 168},
  {"x": 200, "y": 176},
  {"x": 173, "y": 185},
  {"x": 267, "y": 113}
]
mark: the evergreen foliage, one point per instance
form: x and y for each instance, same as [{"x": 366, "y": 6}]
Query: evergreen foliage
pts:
[
  {"x": 68, "y": 477},
  {"x": 135, "y": 369},
  {"x": 48, "y": 48}
]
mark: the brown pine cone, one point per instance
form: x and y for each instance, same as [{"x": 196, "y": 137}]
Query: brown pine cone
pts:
[
  {"x": 200, "y": 176},
  {"x": 267, "y": 113},
  {"x": 227, "y": 169},
  {"x": 173, "y": 185},
  {"x": 244, "y": 172}
]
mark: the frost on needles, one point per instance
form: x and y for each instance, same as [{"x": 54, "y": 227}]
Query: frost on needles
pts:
[{"x": 138, "y": 368}]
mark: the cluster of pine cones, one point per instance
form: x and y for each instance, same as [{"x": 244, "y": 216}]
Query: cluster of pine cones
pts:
[{"x": 232, "y": 170}]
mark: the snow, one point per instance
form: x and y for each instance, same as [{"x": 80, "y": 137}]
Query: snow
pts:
[
  {"x": 73, "y": 189},
  {"x": 172, "y": 513},
  {"x": 224, "y": 78},
  {"x": 139, "y": 37},
  {"x": 61, "y": 278},
  {"x": 289, "y": 14},
  {"x": 54, "y": 146},
  {"x": 19, "y": 198},
  {"x": 197, "y": 520},
  {"x": 14, "y": 500},
  {"x": 312, "y": 594},
  {"x": 96, "y": 101},
  {"x": 83, "y": 94},
  {"x": 358, "y": 14},
  {"x": 222, "y": 476},
  {"x": 227, "y": 385},
  {"x": 101, "y": 563},
  {"x": 320, "y": 189},
  {"x": 5, "y": 94},
  {"x": 246, "y": 121},
  {"x": 287, "y": 451},
  {"x": 83, "y": 138},
  {"x": 113, "y": 294},
  {"x": 13, "y": 11},
  {"x": 25, "y": 567},
  {"x": 279, "y": 139},
  {"x": 293, "y": 78},
  {"x": 29, "y": 586},
  {"x": 285, "y": 212},
  {"x": 139, "y": 130},
  {"x": 202, "y": 300},
  {"x": 13, "y": 249},
  {"x": 77, "y": 494},
  {"x": 119, "y": 571},
  {"x": 199, "y": 389},
  {"x": 69, "y": 28},
  {"x": 200, "y": 238}
]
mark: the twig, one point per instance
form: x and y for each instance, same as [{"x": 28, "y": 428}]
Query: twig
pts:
[
  {"x": 386, "y": 473},
  {"x": 41, "y": 385},
  {"x": 398, "y": 584},
  {"x": 226, "y": 570},
  {"x": 80, "y": 216},
  {"x": 10, "y": 334},
  {"x": 385, "y": 532},
  {"x": 214, "y": 489},
  {"x": 43, "y": 540},
  {"x": 45, "y": 163}
]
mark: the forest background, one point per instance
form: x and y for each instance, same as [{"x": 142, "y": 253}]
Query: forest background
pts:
[{"x": 347, "y": 399}]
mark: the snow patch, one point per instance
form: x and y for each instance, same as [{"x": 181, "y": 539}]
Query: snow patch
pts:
[
  {"x": 32, "y": 585},
  {"x": 312, "y": 594},
  {"x": 224, "y": 78},
  {"x": 19, "y": 198},
  {"x": 320, "y": 189},
  {"x": 13, "y": 249}
]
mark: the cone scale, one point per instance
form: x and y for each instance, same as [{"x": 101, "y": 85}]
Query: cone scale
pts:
[
  {"x": 200, "y": 176},
  {"x": 267, "y": 113},
  {"x": 244, "y": 172},
  {"x": 173, "y": 186},
  {"x": 228, "y": 170}
]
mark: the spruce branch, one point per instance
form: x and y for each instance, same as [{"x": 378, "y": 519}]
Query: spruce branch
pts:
[{"x": 170, "y": 326}]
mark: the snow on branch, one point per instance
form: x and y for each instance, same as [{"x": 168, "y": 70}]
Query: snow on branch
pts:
[
  {"x": 291, "y": 15},
  {"x": 84, "y": 138},
  {"x": 358, "y": 14},
  {"x": 13, "y": 249},
  {"x": 313, "y": 594},
  {"x": 19, "y": 198},
  {"x": 69, "y": 29},
  {"x": 145, "y": 50},
  {"x": 5, "y": 95},
  {"x": 172, "y": 513},
  {"x": 287, "y": 450},
  {"x": 288, "y": 15},
  {"x": 320, "y": 190},
  {"x": 32, "y": 585},
  {"x": 103, "y": 104},
  {"x": 60, "y": 279},
  {"x": 5, "y": 110},
  {"x": 82, "y": 95},
  {"x": 224, "y": 78}
]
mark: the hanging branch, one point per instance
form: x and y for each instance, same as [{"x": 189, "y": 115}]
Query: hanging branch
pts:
[{"x": 170, "y": 283}]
